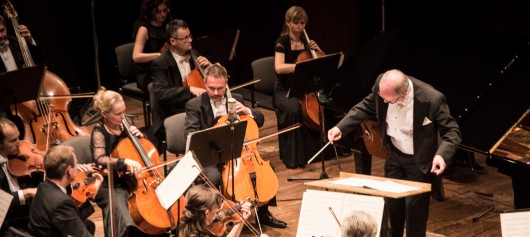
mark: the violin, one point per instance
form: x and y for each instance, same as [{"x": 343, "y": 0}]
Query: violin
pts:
[
  {"x": 83, "y": 187},
  {"x": 309, "y": 104},
  {"x": 28, "y": 160},
  {"x": 228, "y": 215}
]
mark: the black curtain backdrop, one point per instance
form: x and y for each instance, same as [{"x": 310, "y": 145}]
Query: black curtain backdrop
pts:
[{"x": 64, "y": 28}]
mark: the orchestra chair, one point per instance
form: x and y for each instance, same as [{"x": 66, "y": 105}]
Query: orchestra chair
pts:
[
  {"x": 18, "y": 232},
  {"x": 175, "y": 139},
  {"x": 81, "y": 145},
  {"x": 126, "y": 73},
  {"x": 261, "y": 92}
]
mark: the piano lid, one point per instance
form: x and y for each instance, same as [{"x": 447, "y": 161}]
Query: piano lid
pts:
[{"x": 486, "y": 81}]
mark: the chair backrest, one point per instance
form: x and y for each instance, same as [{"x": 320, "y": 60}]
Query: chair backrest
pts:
[
  {"x": 264, "y": 68},
  {"x": 125, "y": 66},
  {"x": 176, "y": 141},
  {"x": 81, "y": 145}
]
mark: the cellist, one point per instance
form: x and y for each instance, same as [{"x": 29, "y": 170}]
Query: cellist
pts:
[
  {"x": 105, "y": 137},
  {"x": 298, "y": 146},
  {"x": 202, "y": 112},
  {"x": 169, "y": 73}
]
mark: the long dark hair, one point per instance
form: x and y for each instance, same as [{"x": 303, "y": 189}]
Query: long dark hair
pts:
[
  {"x": 199, "y": 198},
  {"x": 147, "y": 13}
]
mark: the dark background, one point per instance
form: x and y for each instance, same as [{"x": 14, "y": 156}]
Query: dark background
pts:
[{"x": 444, "y": 38}]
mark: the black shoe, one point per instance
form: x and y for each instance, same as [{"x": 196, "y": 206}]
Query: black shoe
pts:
[{"x": 266, "y": 218}]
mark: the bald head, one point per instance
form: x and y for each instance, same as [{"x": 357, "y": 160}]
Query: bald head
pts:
[{"x": 393, "y": 85}]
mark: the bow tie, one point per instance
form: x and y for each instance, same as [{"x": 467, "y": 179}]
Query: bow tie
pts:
[
  {"x": 185, "y": 58},
  {"x": 3, "y": 48}
]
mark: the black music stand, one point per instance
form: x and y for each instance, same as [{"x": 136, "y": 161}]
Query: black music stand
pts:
[
  {"x": 218, "y": 47},
  {"x": 308, "y": 77},
  {"x": 21, "y": 85},
  {"x": 211, "y": 142}
]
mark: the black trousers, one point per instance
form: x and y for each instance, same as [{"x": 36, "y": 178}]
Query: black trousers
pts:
[{"x": 413, "y": 210}]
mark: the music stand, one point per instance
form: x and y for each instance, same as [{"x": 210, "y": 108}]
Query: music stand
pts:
[
  {"x": 308, "y": 77},
  {"x": 21, "y": 85},
  {"x": 218, "y": 47}
]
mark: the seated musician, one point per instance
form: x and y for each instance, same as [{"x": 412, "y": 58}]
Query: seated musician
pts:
[
  {"x": 54, "y": 211},
  {"x": 202, "y": 112},
  {"x": 203, "y": 203},
  {"x": 105, "y": 137},
  {"x": 23, "y": 189},
  {"x": 169, "y": 73}
]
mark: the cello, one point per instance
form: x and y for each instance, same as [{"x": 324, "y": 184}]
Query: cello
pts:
[
  {"x": 145, "y": 208},
  {"x": 253, "y": 177},
  {"x": 196, "y": 76},
  {"x": 309, "y": 103},
  {"x": 46, "y": 121}
]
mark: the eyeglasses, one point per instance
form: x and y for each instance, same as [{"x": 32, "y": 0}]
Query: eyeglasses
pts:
[
  {"x": 184, "y": 39},
  {"x": 391, "y": 102}
]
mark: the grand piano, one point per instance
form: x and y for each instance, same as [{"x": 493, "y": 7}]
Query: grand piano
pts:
[{"x": 486, "y": 81}]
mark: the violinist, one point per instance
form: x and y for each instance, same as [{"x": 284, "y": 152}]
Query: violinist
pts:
[
  {"x": 298, "y": 146},
  {"x": 169, "y": 73},
  {"x": 149, "y": 34},
  {"x": 23, "y": 189},
  {"x": 203, "y": 203},
  {"x": 54, "y": 212},
  {"x": 105, "y": 137},
  {"x": 203, "y": 112}
]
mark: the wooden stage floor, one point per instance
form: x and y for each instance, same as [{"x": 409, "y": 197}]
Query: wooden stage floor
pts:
[{"x": 452, "y": 217}]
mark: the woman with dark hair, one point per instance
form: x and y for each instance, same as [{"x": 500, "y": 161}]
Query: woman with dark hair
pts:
[{"x": 149, "y": 34}]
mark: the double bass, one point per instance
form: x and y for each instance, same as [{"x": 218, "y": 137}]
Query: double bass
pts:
[
  {"x": 196, "y": 76},
  {"x": 253, "y": 177},
  {"x": 46, "y": 120},
  {"x": 145, "y": 208},
  {"x": 309, "y": 103}
]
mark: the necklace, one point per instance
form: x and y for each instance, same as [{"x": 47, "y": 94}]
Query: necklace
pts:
[
  {"x": 112, "y": 131},
  {"x": 296, "y": 42}
]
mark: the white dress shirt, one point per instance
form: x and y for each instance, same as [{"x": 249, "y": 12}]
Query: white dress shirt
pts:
[
  {"x": 12, "y": 181},
  {"x": 399, "y": 119}
]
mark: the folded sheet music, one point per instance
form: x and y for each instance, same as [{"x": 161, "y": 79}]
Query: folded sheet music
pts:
[
  {"x": 387, "y": 186},
  {"x": 515, "y": 224}
]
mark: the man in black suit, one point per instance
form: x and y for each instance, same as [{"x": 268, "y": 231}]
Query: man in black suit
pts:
[
  {"x": 10, "y": 51},
  {"x": 54, "y": 212},
  {"x": 22, "y": 188},
  {"x": 169, "y": 73},
  {"x": 420, "y": 135},
  {"x": 203, "y": 112}
]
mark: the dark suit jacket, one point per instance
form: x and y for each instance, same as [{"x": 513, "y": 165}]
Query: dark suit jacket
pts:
[
  {"x": 17, "y": 214},
  {"x": 199, "y": 114},
  {"x": 170, "y": 94},
  {"x": 54, "y": 213},
  {"x": 428, "y": 103},
  {"x": 35, "y": 51}
]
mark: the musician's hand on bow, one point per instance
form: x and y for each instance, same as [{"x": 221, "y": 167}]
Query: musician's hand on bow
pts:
[
  {"x": 133, "y": 165},
  {"x": 203, "y": 62},
  {"x": 438, "y": 165},
  {"x": 136, "y": 132},
  {"x": 196, "y": 91},
  {"x": 245, "y": 209},
  {"x": 334, "y": 134}
]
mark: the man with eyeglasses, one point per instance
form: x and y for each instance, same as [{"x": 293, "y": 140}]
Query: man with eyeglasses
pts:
[
  {"x": 420, "y": 135},
  {"x": 169, "y": 73}
]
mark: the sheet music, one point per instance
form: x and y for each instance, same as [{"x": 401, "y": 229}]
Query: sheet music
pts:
[
  {"x": 178, "y": 180},
  {"x": 387, "y": 186},
  {"x": 515, "y": 224},
  {"x": 5, "y": 202},
  {"x": 316, "y": 219}
]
